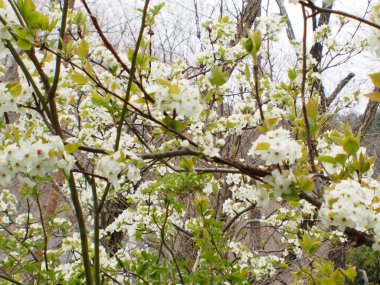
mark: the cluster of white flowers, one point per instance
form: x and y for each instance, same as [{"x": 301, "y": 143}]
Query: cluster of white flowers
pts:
[
  {"x": 271, "y": 26},
  {"x": 4, "y": 35},
  {"x": 264, "y": 266},
  {"x": 35, "y": 158},
  {"x": 261, "y": 266},
  {"x": 244, "y": 195},
  {"x": 205, "y": 139},
  {"x": 348, "y": 204},
  {"x": 280, "y": 181},
  {"x": 374, "y": 36},
  {"x": 8, "y": 205},
  {"x": 328, "y": 148},
  {"x": 112, "y": 166},
  {"x": 217, "y": 44},
  {"x": 231, "y": 207},
  {"x": 179, "y": 96},
  {"x": 13, "y": 95},
  {"x": 322, "y": 32},
  {"x": 235, "y": 123},
  {"x": 243, "y": 253},
  {"x": 276, "y": 147}
]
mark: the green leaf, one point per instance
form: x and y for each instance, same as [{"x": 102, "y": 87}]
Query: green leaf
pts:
[
  {"x": 257, "y": 39},
  {"x": 249, "y": 46},
  {"x": 350, "y": 273},
  {"x": 292, "y": 74},
  {"x": 327, "y": 159},
  {"x": 309, "y": 245},
  {"x": 201, "y": 203},
  {"x": 97, "y": 99},
  {"x": 218, "y": 77},
  {"x": 29, "y": 132},
  {"x": 326, "y": 269},
  {"x": 174, "y": 124},
  {"x": 79, "y": 78},
  {"x": 292, "y": 196},
  {"x": 71, "y": 147},
  {"x": 26, "y": 7},
  {"x": 262, "y": 146},
  {"x": 37, "y": 20},
  {"x": 25, "y": 38},
  {"x": 163, "y": 82},
  {"x": 374, "y": 96},
  {"x": 2, "y": 5},
  {"x": 142, "y": 268},
  {"x": 187, "y": 164},
  {"x": 14, "y": 88},
  {"x": 247, "y": 73},
  {"x": 312, "y": 107},
  {"x": 82, "y": 49},
  {"x": 88, "y": 68},
  {"x": 327, "y": 281},
  {"x": 239, "y": 277},
  {"x": 306, "y": 184},
  {"x": 351, "y": 145},
  {"x": 156, "y": 9},
  {"x": 172, "y": 87},
  {"x": 24, "y": 44},
  {"x": 338, "y": 277},
  {"x": 341, "y": 158},
  {"x": 375, "y": 78}
]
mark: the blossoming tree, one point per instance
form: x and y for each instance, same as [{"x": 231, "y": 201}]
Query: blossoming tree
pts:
[{"x": 208, "y": 173}]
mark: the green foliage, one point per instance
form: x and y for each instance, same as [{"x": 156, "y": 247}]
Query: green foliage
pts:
[
  {"x": 363, "y": 258},
  {"x": 322, "y": 272},
  {"x": 218, "y": 76}
]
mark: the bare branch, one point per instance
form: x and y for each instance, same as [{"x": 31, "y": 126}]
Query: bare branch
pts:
[{"x": 339, "y": 88}]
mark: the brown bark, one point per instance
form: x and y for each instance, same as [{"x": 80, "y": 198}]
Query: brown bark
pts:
[
  {"x": 368, "y": 116},
  {"x": 250, "y": 12}
]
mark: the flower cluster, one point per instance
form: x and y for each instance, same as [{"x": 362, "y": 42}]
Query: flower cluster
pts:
[
  {"x": 276, "y": 147},
  {"x": 374, "y": 37},
  {"x": 113, "y": 166},
  {"x": 12, "y": 94},
  {"x": 205, "y": 139},
  {"x": 34, "y": 158},
  {"x": 349, "y": 204},
  {"x": 280, "y": 181},
  {"x": 178, "y": 97}
]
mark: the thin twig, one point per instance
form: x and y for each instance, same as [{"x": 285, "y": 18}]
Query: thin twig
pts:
[{"x": 309, "y": 4}]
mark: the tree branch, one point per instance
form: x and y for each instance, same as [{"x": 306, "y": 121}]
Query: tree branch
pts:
[
  {"x": 309, "y": 4},
  {"x": 339, "y": 88}
]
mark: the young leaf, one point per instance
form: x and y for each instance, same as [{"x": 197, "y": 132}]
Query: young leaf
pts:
[
  {"x": 82, "y": 49},
  {"x": 292, "y": 74},
  {"x": 350, "y": 145},
  {"x": 14, "y": 88},
  {"x": 249, "y": 45},
  {"x": 327, "y": 159},
  {"x": 374, "y": 96},
  {"x": 257, "y": 39},
  {"x": 218, "y": 77},
  {"x": 312, "y": 107},
  {"x": 71, "y": 147},
  {"x": 375, "y": 78},
  {"x": 36, "y": 20},
  {"x": 79, "y": 78},
  {"x": 262, "y": 146}
]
